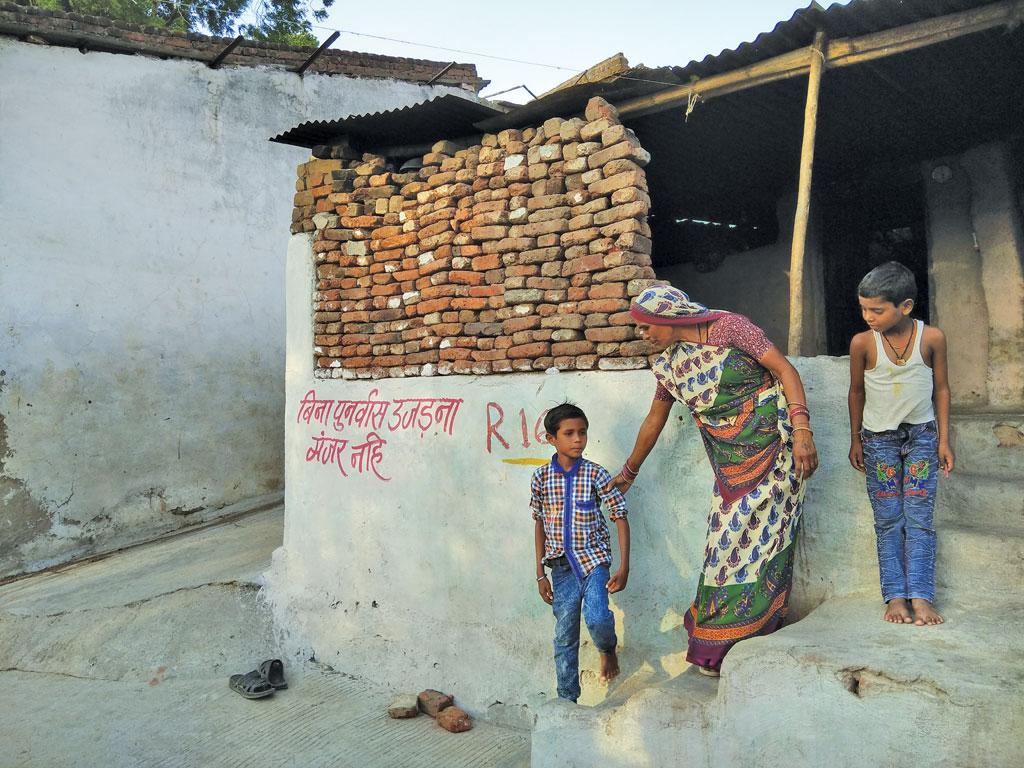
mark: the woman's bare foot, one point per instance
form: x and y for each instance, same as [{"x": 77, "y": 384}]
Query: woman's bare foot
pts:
[
  {"x": 925, "y": 612},
  {"x": 609, "y": 667},
  {"x": 898, "y": 612}
]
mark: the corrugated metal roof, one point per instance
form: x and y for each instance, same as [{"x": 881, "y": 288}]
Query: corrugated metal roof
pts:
[
  {"x": 441, "y": 117},
  {"x": 743, "y": 148},
  {"x": 858, "y": 17}
]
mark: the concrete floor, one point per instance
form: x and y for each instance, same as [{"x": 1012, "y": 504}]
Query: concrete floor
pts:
[{"x": 124, "y": 662}]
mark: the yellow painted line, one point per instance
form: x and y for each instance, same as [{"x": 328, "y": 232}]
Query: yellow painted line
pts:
[{"x": 530, "y": 462}]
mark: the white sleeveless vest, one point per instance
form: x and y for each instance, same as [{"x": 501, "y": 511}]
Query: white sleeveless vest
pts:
[{"x": 898, "y": 394}]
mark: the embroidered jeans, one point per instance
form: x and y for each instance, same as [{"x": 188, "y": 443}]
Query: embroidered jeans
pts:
[
  {"x": 571, "y": 594},
  {"x": 902, "y": 468}
]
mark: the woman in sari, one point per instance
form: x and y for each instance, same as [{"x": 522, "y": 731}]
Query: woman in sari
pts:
[{"x": 748, "y": 403}]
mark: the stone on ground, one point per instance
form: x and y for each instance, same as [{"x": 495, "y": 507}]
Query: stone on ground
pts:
[
  {"x": 404, "y": 706},
  {"x": 454, "y": 719},
  {"x": 431, "y": 702}
]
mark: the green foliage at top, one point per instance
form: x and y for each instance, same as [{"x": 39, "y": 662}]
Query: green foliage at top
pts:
[{"x": 275, "y": 21}]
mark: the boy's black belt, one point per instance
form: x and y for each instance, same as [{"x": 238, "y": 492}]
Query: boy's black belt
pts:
[{"x": 560, "y": 561}]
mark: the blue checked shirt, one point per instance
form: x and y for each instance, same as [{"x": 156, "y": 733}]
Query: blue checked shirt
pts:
[{"x": 569, "y": 505}]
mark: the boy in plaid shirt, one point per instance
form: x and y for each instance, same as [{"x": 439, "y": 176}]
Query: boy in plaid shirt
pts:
[{"x": 572, "y": 540}]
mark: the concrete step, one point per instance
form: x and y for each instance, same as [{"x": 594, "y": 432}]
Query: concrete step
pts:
[
  {"x": 976, "y": 563},
  {"x": 655, "y": 726},
  {"x": 989, "y": 444},
  {"x": 969, "y": 500},
  {"x": 883, "y": 695}
]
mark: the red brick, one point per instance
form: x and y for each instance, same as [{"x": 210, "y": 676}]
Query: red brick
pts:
[
  {"x": 488, "y": 355},
  {"x": 483, "y": 263},
  {"x": 469, "y": 303},
  {"x": 572, "y": 348},
  {"x": 607, "y": 291},
  {"x": 516, "y": 324},
  {"x": 590, "y": 263},
  {"x": 533, "y": 350},
  {"x": 621, "y": 333},
  {"x": 435, "y": 266},
  {"x": 437, "y": 291},
  {"x": 383, "y": 232},
  {"x": 603, "y": 305},
  {"x": 435, "y": 305},
  {"x": 466, "y": 278},
  {"x": 397, "y": 241}
]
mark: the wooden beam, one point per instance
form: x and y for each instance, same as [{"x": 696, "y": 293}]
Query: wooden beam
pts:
[
  {"x": 791, "y": 64},
  {"x": 603, "y": 70},
  {"x": 843, "y": 52},
  {"x": 215, "y": 64},
  {"x": 855, "y": 50},
  {"x": 803, "y": 197},
  {"x": 440, "y": 74},
  {"x": 316, "y": 54}
]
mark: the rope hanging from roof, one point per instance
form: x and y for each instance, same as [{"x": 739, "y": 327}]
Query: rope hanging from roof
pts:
[{"x": 691, "y": 102}]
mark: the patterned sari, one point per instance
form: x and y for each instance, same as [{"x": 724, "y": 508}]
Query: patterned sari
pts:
[{"x": 742, "y": 415}]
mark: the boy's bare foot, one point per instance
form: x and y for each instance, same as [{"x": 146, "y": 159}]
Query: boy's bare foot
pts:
[
  {"x": 925, "y": 612},
  {"x": 898, "y": 612},
  {"x": 609, "y": 667}
]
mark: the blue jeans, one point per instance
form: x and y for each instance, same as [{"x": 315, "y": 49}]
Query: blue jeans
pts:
[
  {"x": 902, "y": 469},
  {"x": 571, "y": 595}
]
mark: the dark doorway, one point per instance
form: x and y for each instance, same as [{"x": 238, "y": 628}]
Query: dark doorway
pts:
[{"x": 865, "y": 224}]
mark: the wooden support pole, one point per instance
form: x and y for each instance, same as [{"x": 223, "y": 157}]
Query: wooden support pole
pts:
[{"x": 803, "y": 197}]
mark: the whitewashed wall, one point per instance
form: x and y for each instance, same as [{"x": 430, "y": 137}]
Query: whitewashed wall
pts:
[
  {"x": 418, "y": 571},
  {"x": 144, "y": 215}
]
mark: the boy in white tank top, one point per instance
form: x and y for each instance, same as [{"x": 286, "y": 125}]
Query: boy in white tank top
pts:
[{"x": 899, "y": 436}]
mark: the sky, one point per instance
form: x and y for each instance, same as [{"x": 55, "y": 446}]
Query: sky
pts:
[{"x": 559, "y": 39}]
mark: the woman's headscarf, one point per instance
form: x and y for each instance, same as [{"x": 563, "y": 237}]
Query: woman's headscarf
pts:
[{"x": 665, "y": 305}]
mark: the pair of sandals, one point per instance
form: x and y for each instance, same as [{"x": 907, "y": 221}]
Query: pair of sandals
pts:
[{"x": 261, "y": 682}]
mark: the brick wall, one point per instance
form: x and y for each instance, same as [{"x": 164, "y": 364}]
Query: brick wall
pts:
[
  {"x": 97, "y": 33},
  {"x": 518, "y": 253}
]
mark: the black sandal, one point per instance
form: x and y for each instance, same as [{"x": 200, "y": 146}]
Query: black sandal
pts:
[
  {"x": 272, "y": 672},
  {"x": 250, "y": 685}
]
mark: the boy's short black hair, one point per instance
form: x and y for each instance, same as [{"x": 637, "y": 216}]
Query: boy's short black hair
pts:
[
  {"x": 891, "y": 281},
  {"x": 554, "y": 418}
]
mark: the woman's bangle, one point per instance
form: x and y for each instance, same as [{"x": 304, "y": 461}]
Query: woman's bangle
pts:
[
  {"x": 803, "y": 429},
  {"x": 633, "y": 472}
]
